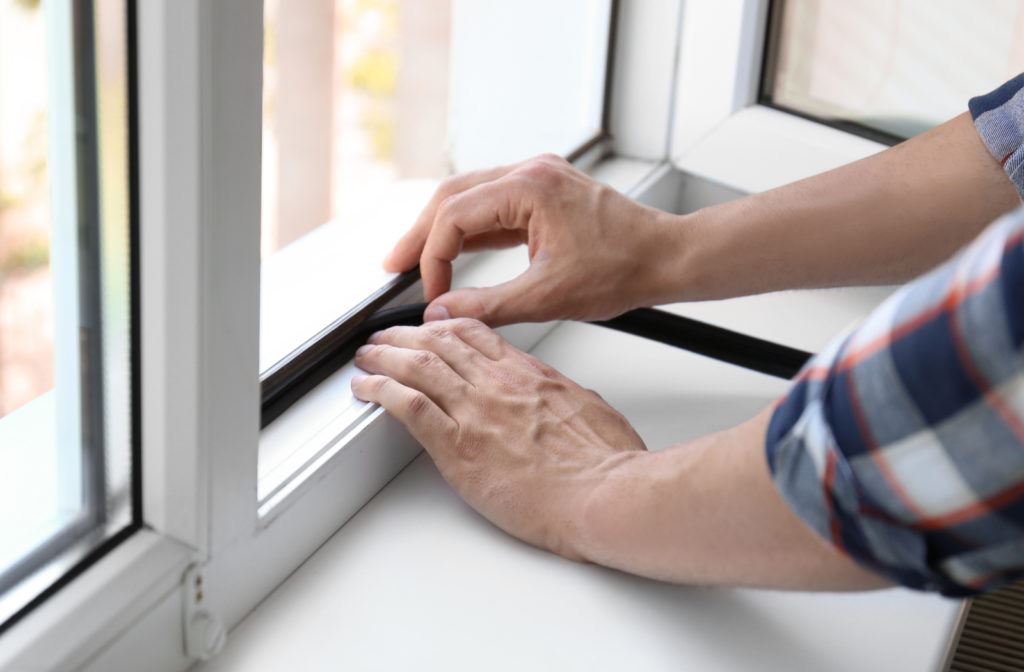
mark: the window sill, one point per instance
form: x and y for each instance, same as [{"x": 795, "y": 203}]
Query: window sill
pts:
[
  {"x": 759, "y": 148},
  {"x": 477, "y": 589},
  {"x": 92, "y": 611}
]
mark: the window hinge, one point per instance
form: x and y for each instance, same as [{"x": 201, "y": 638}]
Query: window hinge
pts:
[{"x": 205, "y": 633}]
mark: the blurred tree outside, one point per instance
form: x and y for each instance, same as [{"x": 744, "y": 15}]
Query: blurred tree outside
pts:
[
  {"x": 26, "y": 301},
  {"x": 355, "y": 101}
]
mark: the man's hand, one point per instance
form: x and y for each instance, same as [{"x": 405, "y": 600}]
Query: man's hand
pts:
[
  {"x": 593, "y": 252},
  {"x": 522, "y": 444},
  {"x": 552, "y": 464}
]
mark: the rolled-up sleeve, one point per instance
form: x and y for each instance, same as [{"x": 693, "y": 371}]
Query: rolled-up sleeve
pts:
[
  {"x": 999, "y": 118},
  {"x": 902, "y": 443}
]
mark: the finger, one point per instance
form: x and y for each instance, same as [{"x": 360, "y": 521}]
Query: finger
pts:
[
  {"x": 421, "y": 370},
  {"x": 487, "y": 207},
  {"x": 522, "y": 299},
  {"x": 440, "y": 338},
  {"x": 427, "y": 423},
  {"x": 481, "y": 337},
  {"x": 407, "y": 250},
  {"x": 495, "y": 240}
]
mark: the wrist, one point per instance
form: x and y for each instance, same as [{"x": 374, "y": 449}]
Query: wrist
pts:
[
  {"x": 601, "y": 508},
  {"x": 674, "y": 263}
]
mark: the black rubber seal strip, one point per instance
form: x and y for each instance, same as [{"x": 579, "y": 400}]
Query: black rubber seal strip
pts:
[
  {"x": 711, "y": 341},
  {"x": 695, "y": 336}
]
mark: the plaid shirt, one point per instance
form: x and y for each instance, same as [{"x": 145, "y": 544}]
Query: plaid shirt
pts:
[{"x": 903, "y": 441}]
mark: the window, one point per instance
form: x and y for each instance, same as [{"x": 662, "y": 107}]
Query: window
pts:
[
  {"x": 891, "y": 67},
  {"x": 66, "y": 285},
  {"x": 199, "y": 192},
  {"x": 368, "y": 103}
]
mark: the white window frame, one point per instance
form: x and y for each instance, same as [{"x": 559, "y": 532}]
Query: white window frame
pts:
[
  {"x": 200, "y": 75},
  {"x": 724, "y": 135},
  {"x": 200, "y": 70}
]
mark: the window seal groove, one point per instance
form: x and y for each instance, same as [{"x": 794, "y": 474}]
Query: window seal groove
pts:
[
  {"x": 686, "y": 333},
  {"x": 308, "y": 366}
]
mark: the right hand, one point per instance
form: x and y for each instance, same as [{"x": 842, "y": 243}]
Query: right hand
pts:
[{"x": 594, "y": 253}]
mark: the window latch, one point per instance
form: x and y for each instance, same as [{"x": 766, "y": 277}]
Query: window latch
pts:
[{"x": 205, "y": 633}]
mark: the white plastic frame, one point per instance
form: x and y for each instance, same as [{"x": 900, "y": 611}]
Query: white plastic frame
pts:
[
  {"x": 200, "y": 70},
  {"x": 719, "y": 132}
]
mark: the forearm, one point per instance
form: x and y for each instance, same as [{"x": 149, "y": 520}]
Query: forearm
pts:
[
  {"x": 883, "y": 219},
  {"x": 706, "y": 512}
]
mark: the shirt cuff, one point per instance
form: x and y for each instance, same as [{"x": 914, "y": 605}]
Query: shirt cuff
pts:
[{"x": 999, "y": 118}]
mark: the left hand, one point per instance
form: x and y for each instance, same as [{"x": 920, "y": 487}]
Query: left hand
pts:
[{"x": 521, "y": 443}]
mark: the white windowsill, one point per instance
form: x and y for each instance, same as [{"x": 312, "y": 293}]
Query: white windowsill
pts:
[
  {"x": 112, "y": 594},
  {"x": 759, "y": 148},
  {"x": 482, "y": 599},
  {"x": 417, "y": 566}
]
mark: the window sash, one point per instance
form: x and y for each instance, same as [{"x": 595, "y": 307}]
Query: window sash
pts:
[
  {"x": 80, "y": 410},
  {"x": 287, "y": 380}
]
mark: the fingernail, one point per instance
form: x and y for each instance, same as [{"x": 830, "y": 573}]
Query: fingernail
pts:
[
  {"x": 358, "y": 379},
  {"x": 363, "y": 350},
  {"x": 434, "y": 313},
  {"x": 373, "y": 337}
]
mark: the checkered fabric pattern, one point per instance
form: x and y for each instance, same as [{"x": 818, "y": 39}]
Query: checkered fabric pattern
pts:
[{"x": 903, "y": 441}]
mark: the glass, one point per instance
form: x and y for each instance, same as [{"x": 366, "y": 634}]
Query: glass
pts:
[
  {"x": 65, "y": 286},
  {"x": 896, "y": 66},
  {"x": 26, "y": 284},
  {"x": 368, "y": 103}
]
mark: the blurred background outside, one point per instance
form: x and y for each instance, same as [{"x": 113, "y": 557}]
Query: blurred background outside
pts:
[
  {"x": 362, "y": 94},
  {"x": 355, "y": 98},
  {"x": 899, "y": 66},
  {"x": 26, "y": 290}
]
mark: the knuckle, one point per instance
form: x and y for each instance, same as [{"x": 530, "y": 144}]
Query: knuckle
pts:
[
  {"x": 385, "y": 335},
  {"x": 417, "y": 403},
  {"x": 423, "y": 359},
  {"x": 551, "y": 158},
  {"x": 467, "y": 325},
  {"x": 378, "y": 384},
  {"x": 451, "y": 185},
  {"x": 446, "y": 208},
  {"x": 540, "y": 173},
  {"x": 540, "y": 367},
  {"x": 438, "y": 331}
]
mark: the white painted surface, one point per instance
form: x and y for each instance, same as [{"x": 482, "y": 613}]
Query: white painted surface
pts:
[
  {"x": 759, "y": 148},
  {"x": 79, "y": 623},
  {"x": 643, "y": 79},
  {"x": 416, "y": 580},
  {"x": 719, "y": 65}
]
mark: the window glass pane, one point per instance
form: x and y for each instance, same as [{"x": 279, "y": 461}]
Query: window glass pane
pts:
[
  {"x": 898, "y": 66},
  {"x": 367, "y": 103},
  {"x": 65, "y": 287},
  {"x": 26, "y": 284}
]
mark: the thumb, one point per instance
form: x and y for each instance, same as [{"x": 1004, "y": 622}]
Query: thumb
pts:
[{"x": 518, "y": 300}]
